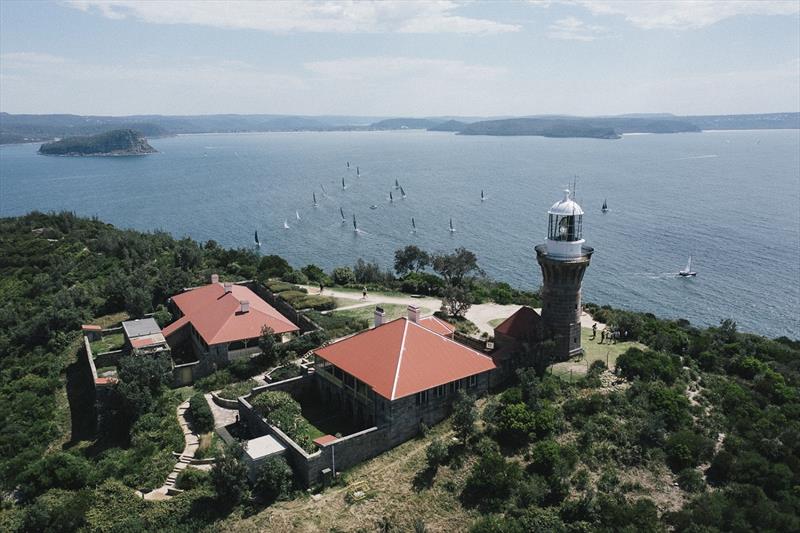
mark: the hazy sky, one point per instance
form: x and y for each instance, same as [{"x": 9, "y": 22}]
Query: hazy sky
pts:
[{"x": 399, "y": 57}]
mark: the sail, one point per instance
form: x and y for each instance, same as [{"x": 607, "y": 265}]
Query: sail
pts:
[
  {"x": 358, "y": 171},
  {"x": 297, "y": 215},
  {"x": 451, "y": 225},
  {"x": 343, "y": 185},
  {"x": 256, "y": 238},
  {"x": 689, "y": 265},
  {"x": 482, "y": 196},
  {"x": 605, "y": 205},
  {"x": 396, "y": 184},
  {"x": 391, "y": 198},
  {"x": 315, "y": 197},
  {"x": 413, "y": 223},
  {"x": 355, "y": 226},
  {"x": 402, "y": 192},
  {"x": 341, "y": 212}
]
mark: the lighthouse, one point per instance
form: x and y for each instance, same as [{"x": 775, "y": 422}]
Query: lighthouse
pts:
[{"x": 563, "y": 258}]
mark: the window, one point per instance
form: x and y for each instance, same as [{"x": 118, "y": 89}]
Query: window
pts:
[
  {"x": 472, "y": 381},
  {"x": 456, "y": 385},
  {"x": 422, "y": 398},
  {"x": 338, "y": 373},
  {"x": 440, "y": 391}
]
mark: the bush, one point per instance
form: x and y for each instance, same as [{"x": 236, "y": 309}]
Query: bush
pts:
[
  {"x": 234, "y": 390},
  {"x": 691, "y": 480},
  {"x": 491, "y": 483},
  {"x": 60, "y": 470},
  {"x": 191, "y": 478},
  {"x": 514, "y": 424},
  {"x": 274, "y": 479},
  {"x": 295, "y": 277},
  {"x": 276, "y": 286},
  {"x": 687, "y": 448},
  {"x": 282, "y": 411},
  {"x": 202, "y": 419},
  {"x": 649, "y": 365},
  {"x": 436, "y": 453},
  {"x": 215, "y": 381}
]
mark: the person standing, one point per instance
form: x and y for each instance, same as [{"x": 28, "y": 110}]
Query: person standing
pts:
[
  {"x": 364, "y": 293},
  {"x": 321, "y": 286},
  {"x": 594, "y": 331},
  {"x": 602, "y": 336}
]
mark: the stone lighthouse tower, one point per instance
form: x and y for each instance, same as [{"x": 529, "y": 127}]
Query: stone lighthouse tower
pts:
[{"x": 563, "y": 258}]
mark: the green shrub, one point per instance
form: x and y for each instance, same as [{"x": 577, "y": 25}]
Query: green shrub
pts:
[
  {"x": 191, "y": 478},
  {"x": 201, "y": 417},
  {"x": 491, "y": 483},
  {"x": 436, "y": 453},
  {"x": 274, "y": 479},
  {"x": 215, "y": 381},
  {"x": 234, "y": 390},
  {"x": 514, "y": 424},
  {"x": 282, "y": 411},
  {"x": 687, "y": 448},
  {"x": 276, "y": 286},
  {"x": 648, "y": 365},
  {"x": 343, "y": 276},
  {"x": 691, "y": 480},
  {"x": 295, "y": 277}
]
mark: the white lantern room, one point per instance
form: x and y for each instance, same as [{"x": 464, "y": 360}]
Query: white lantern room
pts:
[{"x": 565, "y": 229}]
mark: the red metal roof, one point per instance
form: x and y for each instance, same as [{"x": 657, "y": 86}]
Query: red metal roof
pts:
[
  {"x": 401, "y": 358},
  {"x": 147, "y": 340},
  {"x": 521, "y": 324},
  {"x": 216, "y": 314},
  {"x": 437, "y": 325}
]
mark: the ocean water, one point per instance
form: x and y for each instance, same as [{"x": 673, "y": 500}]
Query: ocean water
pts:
[{"x": 729, "y": 198}]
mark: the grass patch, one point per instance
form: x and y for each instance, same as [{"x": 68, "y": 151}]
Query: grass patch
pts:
[
  {"x": 592, "y": 351},
  {"x": 210, "y": 446},
  {"x": 368, "y": 312},
  {"x": 337, "y": 325},
  {"x": 115, "y": 341},
  {"x": 301, "y": 300}
]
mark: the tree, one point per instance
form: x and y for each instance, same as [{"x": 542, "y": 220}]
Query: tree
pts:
[
  {"x": 60, "y": 470},
  {"x": 273, "y": 266},
  {"x": 464, "y": 416},
  {"x": 343, "y": 276},
  {"x": 274, "y": 479},
  {"x": 457, "y": 269},
  {"x": 410, "y": 259},
  {"x": 270, "y": 353},
  {"x": 141, "y": 379},
  {"x": 492, "y": 482},
  {"x": 202, "y": 419},
  {"x": 313, "y": 273},
  {"x": 229, "y": 476}
]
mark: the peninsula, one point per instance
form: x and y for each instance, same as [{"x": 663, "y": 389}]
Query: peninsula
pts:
[{"x": 112, "y": 143}]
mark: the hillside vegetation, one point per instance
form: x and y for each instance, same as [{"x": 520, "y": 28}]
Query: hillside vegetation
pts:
[
  {"x": 115, "y": 142},
  {"x": 697, "y": 430}
]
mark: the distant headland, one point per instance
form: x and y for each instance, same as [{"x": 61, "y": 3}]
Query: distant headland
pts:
[
  {"x": 111, "y": 143},
  {"x": 40, "y": 128}
]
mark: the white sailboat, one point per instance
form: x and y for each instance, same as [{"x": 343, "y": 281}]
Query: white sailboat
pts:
[
  {"x": 315, "y": 199},
  {"x": 257, "y": 242},
  {"x": 413, "y": 225},
  {"x": 483, "y": 198},
  {"x": 452, "y": 229},
  {"x": 343, "y": 185},
  {"x": 297, "y": 215},
  {"x": 355, "y": 224},
  {"x": 688, "y": 272},
  {"x": 604, "y": 209},
  {"x": 285, "y": 224},
  {"x": 391, "y": 198},
  {"x": 341, "y": 212},
  {"x": 402, "y": 193}
]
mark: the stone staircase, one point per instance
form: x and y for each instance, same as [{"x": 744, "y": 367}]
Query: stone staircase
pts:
[{"x": 185, "y": 459}]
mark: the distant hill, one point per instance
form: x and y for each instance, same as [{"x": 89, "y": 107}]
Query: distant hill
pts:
[
  {"x": 111, "y": 143},
  {"x": 30, "y": 128},
  {"x": 403, "y": 123},
  {"x": 450, "y": 125}
]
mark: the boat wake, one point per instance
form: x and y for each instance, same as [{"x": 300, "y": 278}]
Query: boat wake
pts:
[{"x": 707, "y": 156}]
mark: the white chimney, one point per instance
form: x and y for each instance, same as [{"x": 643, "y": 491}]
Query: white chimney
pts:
[
  {"x": 244, "y": 306},
  {"x": 214, "y": 278},
  {"x": 413, "y": 313},
  {"x": 228, "y": 287},
  {"x": 379, "y": 315}
]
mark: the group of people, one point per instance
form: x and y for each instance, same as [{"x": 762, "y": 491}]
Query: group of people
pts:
[
  {"x": 363, "y": 292},
  {"x": 612, "y": 336}
]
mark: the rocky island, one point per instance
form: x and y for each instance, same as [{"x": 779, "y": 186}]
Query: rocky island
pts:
[{"x": 111, "y": 143}]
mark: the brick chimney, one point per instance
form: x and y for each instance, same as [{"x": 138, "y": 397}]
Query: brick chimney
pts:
[
  {"x": 379, "y": 316},
  {"x": 413, "y": 313},
  {"x": 228, "y": 287},
  {"x": 214, "y": 278},
  {"x": 244, "y": 306}
]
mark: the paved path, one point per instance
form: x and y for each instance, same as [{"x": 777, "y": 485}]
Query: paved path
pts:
[
  {"x": 192, "y": 443},
  {"x": 222, "y": 416},
  {"x": 478, "y": 314}
]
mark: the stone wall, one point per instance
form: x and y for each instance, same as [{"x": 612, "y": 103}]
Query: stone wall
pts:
[
  {"x": 185, "y": 374},
  {"x": 298, "y": 318}
]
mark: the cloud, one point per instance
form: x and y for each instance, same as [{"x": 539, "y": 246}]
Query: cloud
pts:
[
  {"x": 573, "y": 29},
  {"x": 680, "y": 14},
  {"x": 281, "y": 16}
]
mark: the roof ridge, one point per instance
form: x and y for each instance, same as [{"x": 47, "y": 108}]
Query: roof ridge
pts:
[{"x": 400, "y": 358}]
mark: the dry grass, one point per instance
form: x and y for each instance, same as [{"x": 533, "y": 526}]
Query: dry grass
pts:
[{"x": 390, "y": 495}]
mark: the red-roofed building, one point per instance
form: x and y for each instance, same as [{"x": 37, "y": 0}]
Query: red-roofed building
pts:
[
  {"x": 223, "y": 322},
  {"x": 400, "y": 374},
  {"x": 523, "y": 328}
]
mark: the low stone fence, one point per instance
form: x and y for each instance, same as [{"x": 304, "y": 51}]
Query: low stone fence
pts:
[
  {"x": 225, "y": 403},
  {"x": 108, "y": 358},
  {"x": 472, "y": 342},
  {"x": 87, "y": 350},
  {"x": 338, "y": 455}
]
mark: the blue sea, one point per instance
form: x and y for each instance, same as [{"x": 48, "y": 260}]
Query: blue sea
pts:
[{"x": 731, "y": 199}]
